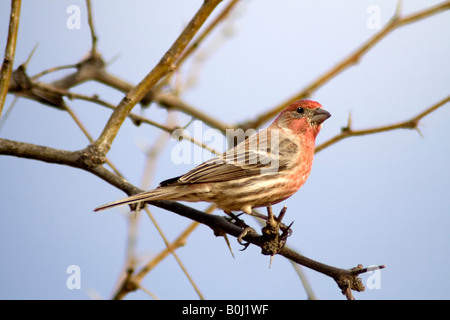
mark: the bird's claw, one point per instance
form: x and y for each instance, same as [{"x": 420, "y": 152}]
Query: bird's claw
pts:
[
  {"x": 240, "y": 238},
  {"x": 233, "y": 218}
]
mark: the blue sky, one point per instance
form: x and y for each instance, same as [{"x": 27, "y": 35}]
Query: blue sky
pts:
[{"x": 379, "y": 199}]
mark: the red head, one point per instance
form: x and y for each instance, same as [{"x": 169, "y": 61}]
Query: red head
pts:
[{"x": 301, "y": 117}]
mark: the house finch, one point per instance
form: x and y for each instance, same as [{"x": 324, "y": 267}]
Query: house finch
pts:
[{"x": 264, "y": 169}]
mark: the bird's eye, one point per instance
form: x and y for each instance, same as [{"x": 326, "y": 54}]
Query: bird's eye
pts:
[{"x": 300, "y": 110}]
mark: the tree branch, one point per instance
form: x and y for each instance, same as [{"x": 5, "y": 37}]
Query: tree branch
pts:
[
  {"x": 412, "y": 123},
  {"x": 345, "y": 278},
  {"x": 8, "y": 60}
]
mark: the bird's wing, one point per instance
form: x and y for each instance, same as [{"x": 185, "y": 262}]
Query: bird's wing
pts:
[{"x": 245, "y": 160}]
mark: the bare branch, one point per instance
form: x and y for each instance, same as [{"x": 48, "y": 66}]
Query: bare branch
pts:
[
  {"x": 91, "y": 27},
  {"x": 408, "y": 124},
  {"x": 345, "y": 278},
  {"x": 8, "y": 60}
]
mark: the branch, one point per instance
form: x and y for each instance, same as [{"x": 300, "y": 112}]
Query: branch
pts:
[
  {"x": 91, "y": 27},
  {"x": 8, "y": 60},
  {"x": 408, "y": 124},
  {"x": 171, "y": 101},
  {"x": 346, "y": 279},
  {"x": 349, "y": 61}
]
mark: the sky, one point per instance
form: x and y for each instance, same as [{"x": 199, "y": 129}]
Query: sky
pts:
[{"x": 372, "y": 200}]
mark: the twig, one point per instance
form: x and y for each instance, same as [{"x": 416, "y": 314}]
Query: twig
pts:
[
  {"x": 8, "y": 60},
  {"x": 174, "y": 254},
  {"x": 89, "y": 137},
  {"x": 8, "y": 112},
  {"x": 123, "y": 289},
  {"x": 91, "y": 27},
  {"x": 408, "y": 124},
  {"x": 196, "y": 43},
  {"x": 50, "y": 70},
  {"x": 133, "y": 221}
]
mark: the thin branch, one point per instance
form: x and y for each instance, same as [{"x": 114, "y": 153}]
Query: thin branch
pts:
[
  {"x": 91, "y": 27},
  {"x": 180, "y": 241},
  {"x": 8, "y": 112},
  {"x": 305, "y": 282},
  {"x": 408, "y": 124},
  {"x": 89, "y": 137},
  {"x": 133, "y": 222},
  {"x": 50, "y": 70},
  {"x": 124, "y": 287},
  {"x": 196, "y": 44},
  {"x": 171, "y": 101},
  {"x": 10, "y": 50},
  {"x": 174, "y": 254},
  {"x": 353, "y": 58}
]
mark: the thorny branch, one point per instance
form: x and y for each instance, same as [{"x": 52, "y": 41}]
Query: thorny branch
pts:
[
  {"x": 346, "y": 279},
  {"x": 412, "y": 123},
  {"x": 92, "y": 158}
]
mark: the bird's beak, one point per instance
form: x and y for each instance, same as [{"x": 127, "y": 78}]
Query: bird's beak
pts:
[{"x": 319, "y": 115}]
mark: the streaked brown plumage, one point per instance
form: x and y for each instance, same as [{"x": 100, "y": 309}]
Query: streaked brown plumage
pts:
[{"x": 266, "y": 168}]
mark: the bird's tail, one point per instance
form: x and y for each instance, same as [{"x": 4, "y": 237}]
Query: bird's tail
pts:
[{"x": 155, "y": 194}]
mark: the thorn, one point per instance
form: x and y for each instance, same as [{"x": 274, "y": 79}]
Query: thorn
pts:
[
  {"x": 271, "y": 259},
  {"x": 349, "y": 120},
  {"x": 418, "y": 131},
  {"x": 228, "y": 244},
  {"x": 282, "y": 213},
  {"x": 113, "y": 59},
  {"x": 398, "y": 9},
  {"x": 30, "y": 56}
]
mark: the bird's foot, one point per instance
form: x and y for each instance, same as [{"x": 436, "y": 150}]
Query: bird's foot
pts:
[
  {"x": 245, "y": 229},
  {"x": 245, "y": 232},
  {"x": 273, "y": 240}
]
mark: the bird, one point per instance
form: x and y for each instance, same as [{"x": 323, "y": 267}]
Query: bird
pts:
[{"x": 264, "y": 169}]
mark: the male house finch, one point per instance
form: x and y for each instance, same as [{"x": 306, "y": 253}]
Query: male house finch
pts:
[{"x": 264, "y": 169}]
